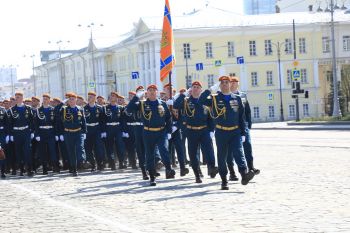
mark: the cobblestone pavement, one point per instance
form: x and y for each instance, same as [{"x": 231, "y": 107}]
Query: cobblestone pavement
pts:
[{"x": 304, "y": 186}]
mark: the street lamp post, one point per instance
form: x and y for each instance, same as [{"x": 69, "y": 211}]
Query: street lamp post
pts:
[
  {"x": 34, "y": 80},
  {"x": 278, "y": 46}
]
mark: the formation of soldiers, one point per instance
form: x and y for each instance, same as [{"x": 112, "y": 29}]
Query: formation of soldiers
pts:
[{"x": 151, "y": 128}]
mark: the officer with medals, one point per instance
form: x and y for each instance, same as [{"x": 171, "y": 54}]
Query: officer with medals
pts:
[
  {"x": 4, "y": 137},
  {"x": 197, "y": 131},
  {"x": 73, "y": 131},
  {"x": 228, "y": 113},
  {"x": 247, "y": 143},
  {"x": 21, "y": 127},
  {"x": 45, "y": 132},
  {"x": 114, "y": 118},
  {"x": 157, "y": 125},
  {"x": 95, "y": 132}
]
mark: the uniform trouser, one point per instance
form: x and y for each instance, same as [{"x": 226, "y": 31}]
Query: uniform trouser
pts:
[
  {"x": 247, "y": 146},
  {"x": 2, "y": 144},
  {"x": 183, "y": 142},
  {"x": 35, "y": 154},
  {"x": 228, "y": 143},
  {"x": 130, "y": 146},
  {"x": 94, "y": 146},
  {"x": 11, "y": 155},
  {"x": 75, "y": 148},
  {"x": 63, "y": 151},
  {"x": 151, "y": 140},
  {"x": 114, "y": 137},
  {"x": 140, "y": 147},
  {"x": 176, "y": 141},
  {"x": 45, "y": 146},
  {"x": 23, "y": 150},
  {"x": 202, "y": 138}
]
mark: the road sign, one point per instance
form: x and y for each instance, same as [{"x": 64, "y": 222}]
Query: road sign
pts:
[
  {"x": 199, "y": 66},
  {"x": 135, "y": 75},
  {"x": 218, "y": 63},
  {"x": 270, "y": 96},
  {"x": 91, "y": 84},
  {"x": 240, "y": 60},
  {"x": 296, "y": 75}
]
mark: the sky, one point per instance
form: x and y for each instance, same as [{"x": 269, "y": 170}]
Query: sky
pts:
[{"x": 27, "y": 25}]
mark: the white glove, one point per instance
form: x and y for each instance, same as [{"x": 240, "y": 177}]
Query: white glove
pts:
[
  {"x": 215, "y": 87},
  {"x": 139, "y": 94},
  {"x": 170, "y": 102},
  {"x": 173, "y": 129},
  {"x": 243, "y": 138},
  {"x": 176, "y": 96},
  {"x": 169, "y": 136},
  {"x": 11, "y": 139},
  {"x": 65, "y": 100},
  {"x": 103, "y": 135},
  {"x": 57, "y": 138},
  {"x": 31, "y": 136},
  {"x": 212, "y": 135},
  {"x": 84, "y": 136},
  {"x": 7, "y": 139},
  {"x": 37, "y": 139},
  {"x": 125, "y": 135},
  {"x": 187, "y": 93},
  {"x": 61, "y": 138}
]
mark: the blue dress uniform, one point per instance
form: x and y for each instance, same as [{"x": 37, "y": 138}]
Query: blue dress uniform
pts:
[
  {"x": 114, "y": 119},
  {"x": 228, "y": 113},
  {"x": 156, "y": 126},
  {"x": 247, "y": 144},
  {"x": 62, "y": 149},
  {"x": 130, "y": 140},
  {"x": 93, "y": 143},
  {"x": 21, "y": 127},
  {"x": 198, "y": 133},
  {"x": 73, "y": 127},
  {"x": 45, "y": 128},
  {"x": 3, "y": 134}
]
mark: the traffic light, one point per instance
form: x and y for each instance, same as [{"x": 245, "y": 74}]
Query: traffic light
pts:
[{"x": 306, "y": 94}]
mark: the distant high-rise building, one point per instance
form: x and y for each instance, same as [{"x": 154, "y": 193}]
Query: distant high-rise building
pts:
[{"x": 257, "y": 7}]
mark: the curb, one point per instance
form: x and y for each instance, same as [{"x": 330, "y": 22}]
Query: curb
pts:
[{"x": 305, "y": 128}]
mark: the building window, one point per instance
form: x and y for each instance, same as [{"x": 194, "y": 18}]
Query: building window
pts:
[
  {"x": 306, "y": 110},
  {"x": 210, "y": 80},
  {"x": 329, "y": 76},
  {"x": 291, "y": 110},
  {"x": 268, "y": 47},
  {"x": 303, "y": 74},
  {"x": 188, "y": 81},
  {"x": 187, "y": 51},
  {"x": 325, "y": 44},
  {"x": 271, "y": 111},
  {"x": 252, "y": 48},
  {"x": 232, "y": 74},
  {"x": 302, "y": 45},
  {"x": 288, "y": 46},
  {"x": 346, "y": 43},
  {"x": 269, "y": 78},
  {"x": 289, "y": 77},
  {"x": 209, "y": 49},
  {"x": 256, "y": 114},
  {"x": 231, "y": 49},
  {"x": 254, "y": 77}
]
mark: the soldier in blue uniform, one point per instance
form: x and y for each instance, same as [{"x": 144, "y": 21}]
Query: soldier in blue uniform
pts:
[
  {"x": 114, "y": 118},
  {"x": 228, "y": 112},
  {"x": 157, "y": 125},
  {"x": 95, "y": 132},
  {"x": 35, "y": 104},
  {"x": 247, "y": 143},
  {"x": 73, "y": 131},
  {"x": 45, "y": 132},
  {"x": 198, "y": 133},
  {"x": 4, "y": 137},
  {"x": 21, "y": 127}
]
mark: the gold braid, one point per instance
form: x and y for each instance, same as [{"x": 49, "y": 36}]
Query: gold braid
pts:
[
  {"x": 187, "y": 109},
  {"x": 219, "y": 111},
  {"x": 146, "y": 116}
]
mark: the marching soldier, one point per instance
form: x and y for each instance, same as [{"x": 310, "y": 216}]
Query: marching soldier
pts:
[
  {"x": 35, "y": 103},
  {"x": 198, "y": 133},
  {"x": 247, "y": 144},
  {"x": 95, "y": 131},
  {"x": 73, "y": 131},
  {"x": 4, "y": 137},
  {"x": 45, "y": 132},
  {"x": 228, "y": 112},
  {"x": 21, "y": 127},
  {"x": 114, "y": 118},
  {"x": 156, "y": 129}
]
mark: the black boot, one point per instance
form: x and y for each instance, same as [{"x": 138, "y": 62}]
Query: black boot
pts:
[
  {"x": 56, "y": 168},
  {"x": 170, "y": 174},
  {"x": 224, "y": 185},
  {"x": 45, "y": 170},
  {"x": 144, "y": 174},
  {"x": 74, "y": 172},
  {"x": 233, "y": 176},
  {"x": 198, "y": 177},
  {"x": 30, "y": 172},
  {"x": 152, "y": 181},
  {"x": 212, "y": 171},
  {"x": 252, "y": 168},
  {"x": 3, "y": 173},
  {"x": 200, "y": 172},
  {"x": 184, "y": 171},
  {"x": 21, "y": 170},
  {"x": 112, "y": 165},
  {"x": 246, "y": 176}
]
